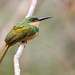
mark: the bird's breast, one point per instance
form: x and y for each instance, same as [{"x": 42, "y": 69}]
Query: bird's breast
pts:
[{"x": 29, "y": 37}]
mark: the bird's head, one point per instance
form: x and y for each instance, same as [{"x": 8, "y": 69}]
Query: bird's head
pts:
[{"x": 34, "y": 20}]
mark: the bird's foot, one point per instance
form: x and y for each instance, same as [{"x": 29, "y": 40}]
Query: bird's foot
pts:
[{"x": 23, "y": 42}]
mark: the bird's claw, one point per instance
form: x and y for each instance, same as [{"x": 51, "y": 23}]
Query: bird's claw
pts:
[{"x": 23, "y": 42}]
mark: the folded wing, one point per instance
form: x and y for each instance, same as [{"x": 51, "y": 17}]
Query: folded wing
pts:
[{"x": 19, "y": 32}]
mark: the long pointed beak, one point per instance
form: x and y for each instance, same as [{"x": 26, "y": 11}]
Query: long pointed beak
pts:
[{"x": 44, "y": 18}]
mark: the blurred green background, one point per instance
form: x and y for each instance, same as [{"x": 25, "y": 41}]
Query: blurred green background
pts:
[{"x": 52, "y": 52}]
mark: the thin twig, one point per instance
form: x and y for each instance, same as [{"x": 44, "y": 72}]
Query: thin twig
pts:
[
  {"x": 16, "y": 59},
  {"x": 32, "y": 7},
  {"x": 21, "y": 47}
]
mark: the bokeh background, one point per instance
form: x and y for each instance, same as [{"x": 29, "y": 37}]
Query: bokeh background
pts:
[{"x": 52, "y": 52}]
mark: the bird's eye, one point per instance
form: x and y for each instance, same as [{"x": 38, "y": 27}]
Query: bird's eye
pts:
[{"x": 33, "y": 19}]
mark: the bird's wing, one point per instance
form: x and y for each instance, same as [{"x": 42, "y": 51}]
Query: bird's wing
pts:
[{"x": 18, "y": 32}]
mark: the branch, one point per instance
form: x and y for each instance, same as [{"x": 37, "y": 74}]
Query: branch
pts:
[
  {"x": 32, "y": 7},
  {"x": 16, "y": 59},
  {"x": 21, "y": 47}
]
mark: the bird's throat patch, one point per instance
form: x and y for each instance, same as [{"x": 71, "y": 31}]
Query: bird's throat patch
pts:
[{"x": 36, "y": 24}]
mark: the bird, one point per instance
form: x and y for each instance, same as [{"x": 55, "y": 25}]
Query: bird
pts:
[{"x": 25, "y": 30}]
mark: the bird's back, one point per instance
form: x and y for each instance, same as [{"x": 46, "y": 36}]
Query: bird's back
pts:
[{"x": 22, "y": 32}]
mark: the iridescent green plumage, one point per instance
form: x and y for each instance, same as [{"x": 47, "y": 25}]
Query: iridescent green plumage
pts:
[
  {"x": 25, "y": 30},
  {"x": 19, "y": 32}
]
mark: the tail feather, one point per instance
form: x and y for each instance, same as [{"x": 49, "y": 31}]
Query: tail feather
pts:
[{"x": 4, "y": 52}]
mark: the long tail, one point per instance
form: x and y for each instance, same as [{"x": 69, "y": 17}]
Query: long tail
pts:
[{"x": 4, "y": 52}]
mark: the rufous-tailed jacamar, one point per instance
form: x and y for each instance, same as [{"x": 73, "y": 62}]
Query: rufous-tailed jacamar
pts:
[{"x": 25, "y": 30}]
